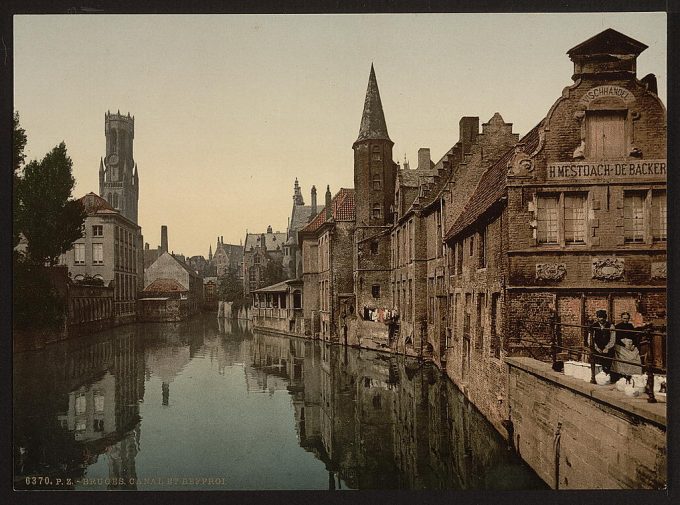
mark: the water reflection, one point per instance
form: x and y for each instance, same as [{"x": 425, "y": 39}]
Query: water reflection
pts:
[{"x": 136, "y": 406}]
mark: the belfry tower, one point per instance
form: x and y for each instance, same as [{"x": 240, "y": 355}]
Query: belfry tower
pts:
[{"x": 118, "y": 178}]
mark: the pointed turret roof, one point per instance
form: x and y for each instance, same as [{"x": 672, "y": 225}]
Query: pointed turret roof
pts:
[{"x": 373, "y": 126}]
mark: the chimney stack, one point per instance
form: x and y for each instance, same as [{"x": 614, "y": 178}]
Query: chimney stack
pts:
[
  {"x": 424, "y": 158},
  {"x": 328, "y": 202},
  {"x": 469, "y": 129},
  {"x": 164, "y": 238},
  {"x": 313, "y": 201}
]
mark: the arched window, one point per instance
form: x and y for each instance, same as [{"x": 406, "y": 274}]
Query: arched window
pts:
[
  {"x": 114, "y": 141},
  {"x": 115, "y": 201},
  {"x": 376, "y": 211},
  {"x": 377, "y": 182}
]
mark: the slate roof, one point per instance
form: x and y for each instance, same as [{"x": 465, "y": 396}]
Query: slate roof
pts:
[
  {"x": 608, "y": 41},
  {"x": 373, "y": 124},
  {"x": 342, "y": 209},
  {"x": 491, "y": 187},
  {"x": 165, "y": 286},
  {"x": 271, "y": 240},
  {"x": 300, "y": 216}
]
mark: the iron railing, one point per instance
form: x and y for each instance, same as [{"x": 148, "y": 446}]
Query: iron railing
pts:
[{"x": 575, "y": 340}]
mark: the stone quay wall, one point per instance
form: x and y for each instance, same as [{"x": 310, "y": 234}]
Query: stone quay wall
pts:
[{"x": 577, "y": 435}]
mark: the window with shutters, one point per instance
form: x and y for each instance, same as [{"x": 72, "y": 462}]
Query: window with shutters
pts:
[
  {"x": 634, "y": 216},
  {"x": 606, "y": 134},
  {"x": 659, "y": 216},
  {"x": 79, "y": 254}
]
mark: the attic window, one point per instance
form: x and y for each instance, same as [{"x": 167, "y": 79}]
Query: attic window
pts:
[{"x": 606, "y": 134}]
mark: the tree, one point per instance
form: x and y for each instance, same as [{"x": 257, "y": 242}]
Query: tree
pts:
[
  {"x": 229, "y": 287},
  {"x": 18, "y": 158},
  {"x": 47, "y": 215},
  {"x": 273, "y": 273}
]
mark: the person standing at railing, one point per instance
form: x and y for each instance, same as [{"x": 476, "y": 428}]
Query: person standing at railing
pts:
[
  {"x": 603, "y": 336},
  {"x": 625, "y": 328}
]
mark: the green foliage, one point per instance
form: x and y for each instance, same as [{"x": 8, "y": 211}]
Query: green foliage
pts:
[
  {"x": 18, "y": 157},
  {"x": 46, "y": 215},
  {"x": 36, "y": 304},
  {"x": 229, "y": 286},
  {"x": 230, "y": 289},
  {"x": 50, "y": 220},
  {"x": 273, "y": 273}
]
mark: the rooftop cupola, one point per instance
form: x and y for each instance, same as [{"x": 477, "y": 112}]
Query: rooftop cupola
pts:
[
  {"x": 373, "y": 126},
  {"x": 607, "y": 55}
]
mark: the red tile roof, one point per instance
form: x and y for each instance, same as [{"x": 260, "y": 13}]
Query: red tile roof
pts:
[
  {"x": 165, "y": 286},
  {"x": 342, "y": 209},
  {"x": 491, "y": 187},
  {"x": 94, "y": 203}
]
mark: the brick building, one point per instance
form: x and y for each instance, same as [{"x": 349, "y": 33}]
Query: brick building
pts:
[
  {"x": 300, "y": 215},
  {"x": 260, "y": 249},
  {"x": 174, "y": 272},
  {"x": 227, "y": 257},
  {"x": 374, "y": 182},
  {"x": 569, "y": 221},
  {"x": 326, "y": 244}
]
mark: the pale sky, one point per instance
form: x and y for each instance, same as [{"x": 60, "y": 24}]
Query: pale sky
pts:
[{"x": 230, "y": 109}]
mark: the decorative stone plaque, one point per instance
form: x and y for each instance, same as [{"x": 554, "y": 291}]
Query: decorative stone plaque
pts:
[
  {"x": 659, "y": 270},
  {"x": 521, "y": 164},
  {"x": 608, "y": 269},
  {"x": 551, "y": 271}
]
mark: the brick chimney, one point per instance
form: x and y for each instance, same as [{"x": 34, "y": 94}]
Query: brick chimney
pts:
[
  {"x": 328, "y": 202},
  {"x": 469, "y": 129},
  {"x": 164, "y": 238},
  {"x": 313, "y": 201},
  {"x": 424, "y": 158}
]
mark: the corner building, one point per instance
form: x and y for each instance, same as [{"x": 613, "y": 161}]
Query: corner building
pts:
[{"x": 569, "y": 221}]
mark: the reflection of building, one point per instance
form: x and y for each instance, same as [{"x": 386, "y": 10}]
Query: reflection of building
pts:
[
  {"x": 91, "y": 410},
  {"x": 74, "y": 400},
  {"x": 110, "y": 250}
]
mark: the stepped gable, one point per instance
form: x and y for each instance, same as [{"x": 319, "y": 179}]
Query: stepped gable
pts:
[
  {"x": 491, "y": 187},
  {"x": 342, "y": 209}
]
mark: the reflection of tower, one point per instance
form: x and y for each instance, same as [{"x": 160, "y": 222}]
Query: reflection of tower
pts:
[
  {"x": 165, "y": 388},
  {"x": 121, "y": 460},
  {"x": 118, "y": 177}
]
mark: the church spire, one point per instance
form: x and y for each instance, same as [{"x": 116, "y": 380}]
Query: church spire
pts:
[
  {"x": 210, "y": 253},
  {"x": 297, "y": 194},
  {"x": 373, "y": 126}
]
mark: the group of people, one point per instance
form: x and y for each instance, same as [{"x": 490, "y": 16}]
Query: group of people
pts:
[{"x": 616, "y": 346}]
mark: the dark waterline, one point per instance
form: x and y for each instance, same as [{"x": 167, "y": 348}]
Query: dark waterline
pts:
[{"x": 168, "y": 406}]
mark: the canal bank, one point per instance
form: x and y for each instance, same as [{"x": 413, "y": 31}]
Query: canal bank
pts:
[{"x": 574, "y": 435}]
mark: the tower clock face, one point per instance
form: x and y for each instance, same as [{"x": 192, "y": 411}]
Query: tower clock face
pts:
[{"x": 113, "y": 159}]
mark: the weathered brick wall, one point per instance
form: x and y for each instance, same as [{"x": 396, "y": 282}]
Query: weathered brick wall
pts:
[
  {"x": 488, "y": 146},
  {"x": 484, "y": 381},
  {"x": 601, "y": 445}
]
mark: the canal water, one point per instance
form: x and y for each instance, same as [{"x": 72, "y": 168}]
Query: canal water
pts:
[{"x": 208, "y": 404}]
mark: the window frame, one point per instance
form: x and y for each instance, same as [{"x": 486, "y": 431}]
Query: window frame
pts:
[{"x": 561, "y": 197}]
